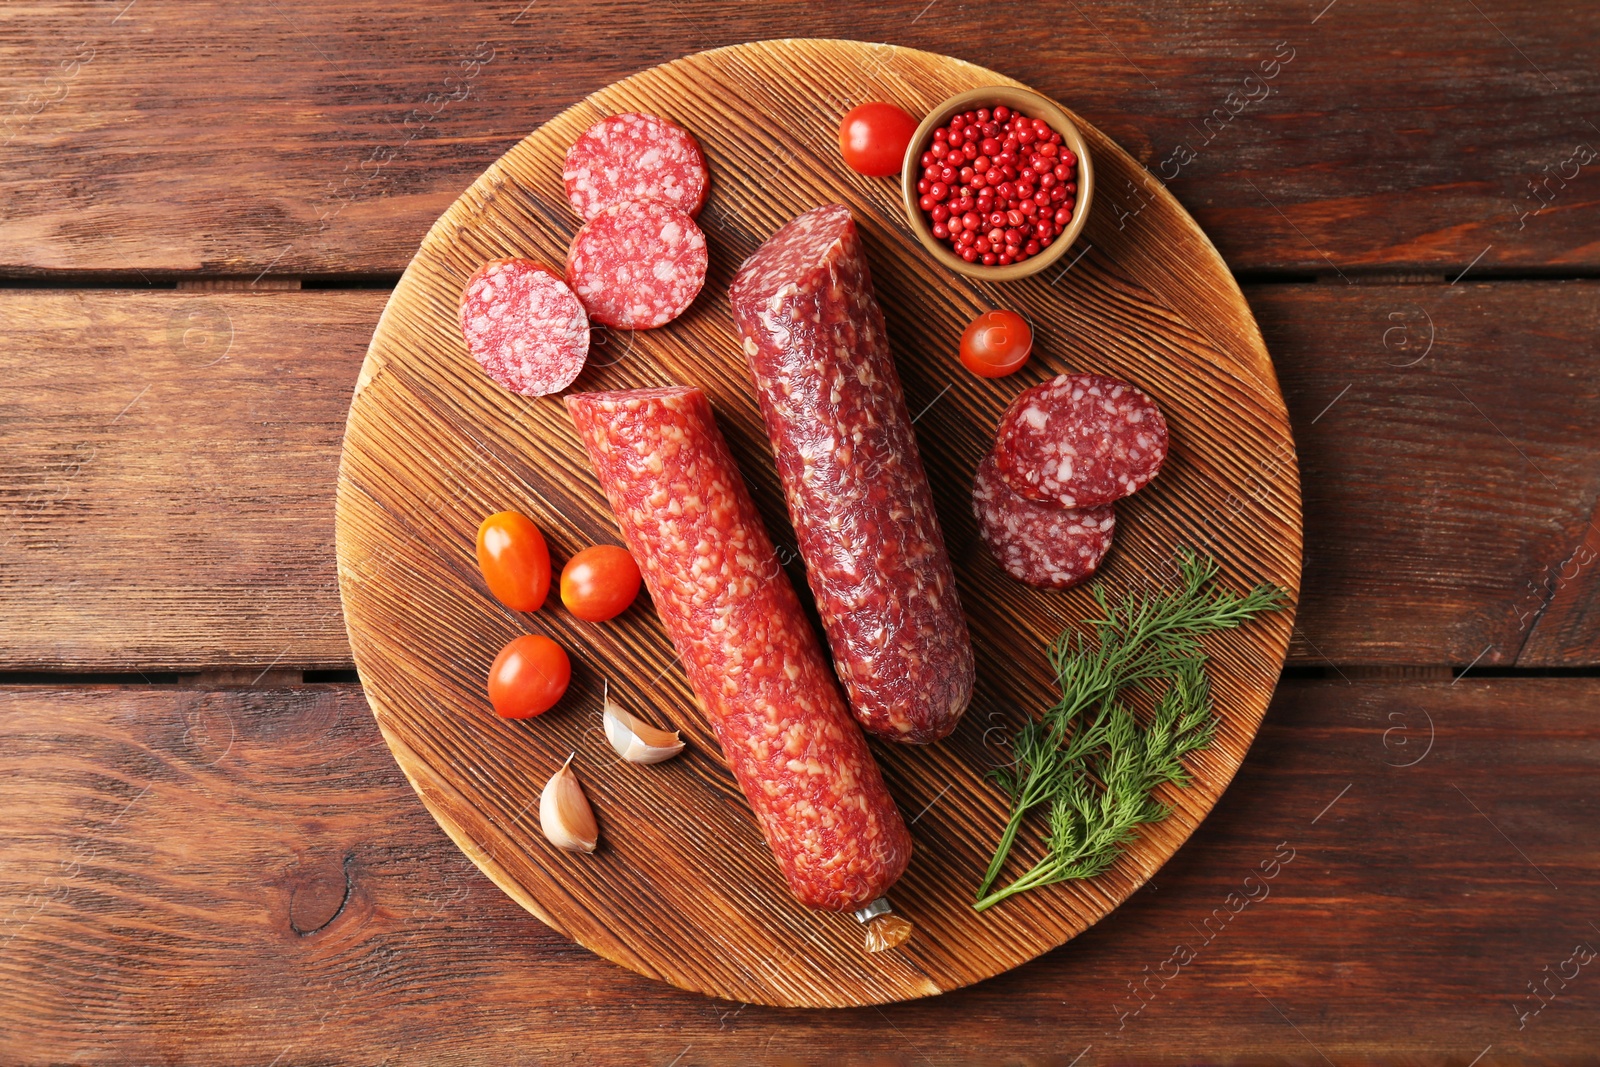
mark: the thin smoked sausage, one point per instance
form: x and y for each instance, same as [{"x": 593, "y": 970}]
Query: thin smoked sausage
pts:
[{"x": 814, "y": 338}]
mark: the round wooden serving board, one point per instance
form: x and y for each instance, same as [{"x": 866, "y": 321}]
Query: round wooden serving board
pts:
[{"x": 683, "y": 888}]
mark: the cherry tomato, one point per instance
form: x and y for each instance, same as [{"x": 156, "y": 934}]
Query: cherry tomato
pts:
[
  {"x": 599, "y": 583},
  {"x": 529, "y": 675},
  {"x": 514, "y": 560},
  {"x": 873, "y": 139},
  {"x": 996, "y": 344}
]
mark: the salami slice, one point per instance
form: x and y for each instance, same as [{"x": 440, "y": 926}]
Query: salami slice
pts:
[
  {"x": 814, "y": 337},
  {"x": 637, "y": 264},
  {"x": 1040, "y": 544},
  {"x": 1080, "y": 441},
  {"x": 635, "y": 157},
  {"x": 747, "y": 647},
  {"x": 524, "y": 326}
]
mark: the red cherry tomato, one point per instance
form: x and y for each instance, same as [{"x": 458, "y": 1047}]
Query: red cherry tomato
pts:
[
  {"x": 514, "y": 560},
  {"x": 873, "y": 139},
  {"x": 599, "y": 583},
  {"x": 529, "y": 675},
  {"x": 996, "y": 344}
]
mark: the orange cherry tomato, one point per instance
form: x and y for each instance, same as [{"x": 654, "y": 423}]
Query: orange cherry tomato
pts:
[
  {"x": 599, "y": 583},
  {"x": 514, "y": 560},
  {"x": 996, "y": 344},
  {"x": 873, "y": 139},
  {"x": 529, "y": 675}
]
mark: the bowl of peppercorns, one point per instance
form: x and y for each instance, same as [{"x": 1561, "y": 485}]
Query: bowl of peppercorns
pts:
[{"x": 997, "y": 183}]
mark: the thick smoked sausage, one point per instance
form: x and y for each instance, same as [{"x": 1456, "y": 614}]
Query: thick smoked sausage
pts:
[{"x": 748, "y": 649}]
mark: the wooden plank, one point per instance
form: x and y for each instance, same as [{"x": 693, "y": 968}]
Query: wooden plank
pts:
[
  {"x": 298, "y": 138},
  {"x": 1446, "y": 440},
  {"x": 1444, "y": 499},
  {"x": 169, "y": 473},
  {"x": 234, "y": 877},
  {"x": 1560, "y": 606}
]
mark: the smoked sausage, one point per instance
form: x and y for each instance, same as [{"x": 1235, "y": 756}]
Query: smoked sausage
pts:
[
  {"x": 747, "y": 647},
  {"x": 814, "y": 337}
]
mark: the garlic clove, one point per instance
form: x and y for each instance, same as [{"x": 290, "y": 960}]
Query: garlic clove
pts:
[
  {"x": 636, "y": 740},
  {"x": 564, "y": 812}
]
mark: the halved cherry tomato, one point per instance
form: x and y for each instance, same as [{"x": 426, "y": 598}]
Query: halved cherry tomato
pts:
[
  {"x": 514, "y": 560},
  {"x": 599, "y": 583},
  {"x": 529, "y": 675},
  {"x": 873, "y": 139},
  {"x": 996, "y": 344}
]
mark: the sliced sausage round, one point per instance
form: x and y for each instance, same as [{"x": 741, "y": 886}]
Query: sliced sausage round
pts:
[
  {"x": 1040, "y": 544},
  {"x": 1080, "y": 440},
  {"x": 635, "y": 157},
  {"x": 637, "y": 264},
  {"x": 524, "y": 326}
]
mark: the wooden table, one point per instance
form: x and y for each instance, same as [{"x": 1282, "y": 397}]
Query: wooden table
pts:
[{"x": 208, "y": 855}]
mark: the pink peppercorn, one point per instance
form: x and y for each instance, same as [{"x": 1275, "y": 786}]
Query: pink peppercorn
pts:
[{"x": 997, "y": 186}]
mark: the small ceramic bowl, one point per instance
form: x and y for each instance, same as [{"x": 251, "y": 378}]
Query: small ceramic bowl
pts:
[{"x": 1034, "y": 106}]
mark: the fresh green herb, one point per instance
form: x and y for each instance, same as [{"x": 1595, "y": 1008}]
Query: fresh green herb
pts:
[{"x": 1089, "y": 758}]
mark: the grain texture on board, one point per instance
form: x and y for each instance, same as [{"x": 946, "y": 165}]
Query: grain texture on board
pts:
[
  {"x": 308, "y": 138},
  {"x": 684, "y": 890},
  {"x": 264, "y": 846},
  {"x": 1388, "y": 580}
]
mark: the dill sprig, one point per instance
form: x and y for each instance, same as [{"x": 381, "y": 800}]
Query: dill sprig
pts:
[{"x": 1088, "y": 757}]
